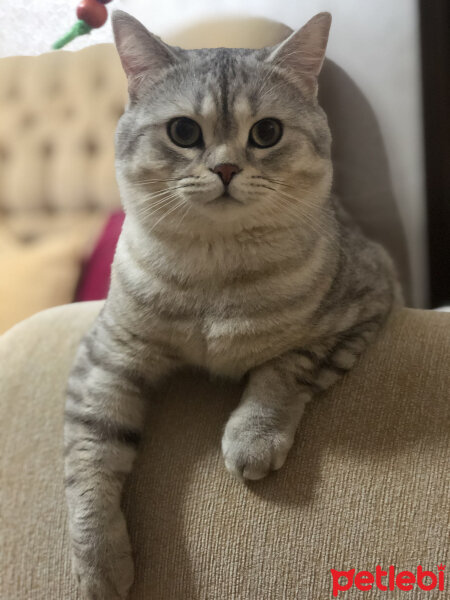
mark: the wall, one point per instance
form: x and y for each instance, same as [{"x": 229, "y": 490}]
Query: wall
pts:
[{"x": 377, "y": 43}]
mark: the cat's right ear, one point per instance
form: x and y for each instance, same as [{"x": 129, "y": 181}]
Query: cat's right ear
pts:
[
  {"x": 143, "y": 55},
  {"x": 303, "y": 52}
]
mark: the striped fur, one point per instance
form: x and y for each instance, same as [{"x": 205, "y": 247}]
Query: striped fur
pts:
[{"x": 275, "y": 283}]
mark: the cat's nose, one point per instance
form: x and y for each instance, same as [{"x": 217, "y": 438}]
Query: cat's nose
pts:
[{"x": 226, "y": 172}]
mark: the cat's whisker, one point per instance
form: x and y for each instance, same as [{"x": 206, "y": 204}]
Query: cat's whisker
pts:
[
  {"x": 183, "y": 216},
  {"x": 155, "y": 194},
  {"x": 304, "y": 201},
  {"x": 151, "y": 209},
  {"x": 149, "y": 214},
  {"x": 152, "y": 196},
  {"x": 319, "y": 229},
  {"x": 296, "y": 209},
  {"x": 296, "y": 212},
  {"x": 178, "y": 205},
  {"x": 148, "y": 203},
  {"x": 194, "y": 191},
  {"x": 160, "y": 180},
  {"x": 167, "y": 189},
  {"x": 163, "y": 195},
  {"x": 271, "y": 180},
  {"x": 187, "y": 177}
]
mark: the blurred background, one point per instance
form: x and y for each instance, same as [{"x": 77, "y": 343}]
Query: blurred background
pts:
[{"x": 385, "y": 90}]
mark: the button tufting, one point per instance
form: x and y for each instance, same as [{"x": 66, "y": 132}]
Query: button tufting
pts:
[
  {"x": 4, "y": 153},
  {"x": 28, "y": 120},
  {"x": 91, "y": 146},
  {"x": 59, "y": 119},
  {"x": 55, "y": 88},
  {"x": 47, "y": 149},
  {"x": 91, "y": 205},
  {"x": 47, "y": 206},
  {"x": 5, "y": 210},
  {"x": 12, "y": 93},
  {"x": 69, "y": 112},
  {"x": 99, "y": 81}
]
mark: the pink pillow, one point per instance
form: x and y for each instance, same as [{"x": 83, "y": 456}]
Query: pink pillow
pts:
[{"x": 96, "y": 273}]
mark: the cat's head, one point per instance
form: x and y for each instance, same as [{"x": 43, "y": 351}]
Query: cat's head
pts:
[{"x": 220, "y": 138}]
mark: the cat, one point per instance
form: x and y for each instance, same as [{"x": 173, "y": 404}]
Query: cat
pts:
[{"x": 234, "y": 257}]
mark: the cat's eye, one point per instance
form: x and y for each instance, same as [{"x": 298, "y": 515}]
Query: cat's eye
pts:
[
  {"x": 185, "y": 132},
  {"x": 265, "y": 133}
]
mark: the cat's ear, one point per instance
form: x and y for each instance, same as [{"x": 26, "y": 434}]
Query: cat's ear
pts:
[
  {"x": 142, "y": 54},
  {"x": 303, "y": 52}
]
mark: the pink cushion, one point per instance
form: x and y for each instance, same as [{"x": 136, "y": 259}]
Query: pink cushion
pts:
[{"x": 94, "y": 282}]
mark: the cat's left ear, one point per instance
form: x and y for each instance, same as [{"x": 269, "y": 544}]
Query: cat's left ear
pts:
[
  {"x": 303, "y": 52},
  {"x": 143, "y": 54}
]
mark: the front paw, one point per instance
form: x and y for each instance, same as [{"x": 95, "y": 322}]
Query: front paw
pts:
[
  {"x": 252, "y": 446},
  {"x": 103, "y": 568}
]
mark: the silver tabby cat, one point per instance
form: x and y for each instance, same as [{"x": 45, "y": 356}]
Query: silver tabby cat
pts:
[{"x": 233, "y": 257}]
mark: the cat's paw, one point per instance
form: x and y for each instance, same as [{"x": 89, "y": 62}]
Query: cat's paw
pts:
[
  {"x": 251, "y": 449},
  {"x": 104, "y": 571},
  {"x": 111, "y": 581}
]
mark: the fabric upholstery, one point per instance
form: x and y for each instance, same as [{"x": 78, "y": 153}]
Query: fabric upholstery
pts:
[
  {"x": 364, "y": 485},
  {"x": 38, "y": 274},
  {"x": 59, "y": 112}
]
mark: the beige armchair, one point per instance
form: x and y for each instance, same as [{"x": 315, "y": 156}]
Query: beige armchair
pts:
[{"x": 365, "y": 484}]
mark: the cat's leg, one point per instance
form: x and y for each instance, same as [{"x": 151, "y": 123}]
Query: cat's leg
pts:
[
  {"x": 260, "y": 432},
  {"x": 108, "y": 389}
]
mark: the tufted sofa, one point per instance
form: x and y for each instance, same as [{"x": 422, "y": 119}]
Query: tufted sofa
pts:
[{"x": 58, "y": 113}]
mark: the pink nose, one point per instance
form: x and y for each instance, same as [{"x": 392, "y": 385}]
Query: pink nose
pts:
[{"x": 226, "y": 172}]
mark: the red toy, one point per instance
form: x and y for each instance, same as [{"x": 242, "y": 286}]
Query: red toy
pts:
[{"x": 91, "y": 14}]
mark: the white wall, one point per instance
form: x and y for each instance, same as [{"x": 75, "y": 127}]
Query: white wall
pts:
[{"x": 376, "y": 42}]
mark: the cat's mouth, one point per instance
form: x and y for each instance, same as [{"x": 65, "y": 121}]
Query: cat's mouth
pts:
[{"x": 225, "y": 198}]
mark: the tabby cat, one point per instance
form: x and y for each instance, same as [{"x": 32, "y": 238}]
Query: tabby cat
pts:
[{"x": 234, "y": 257}]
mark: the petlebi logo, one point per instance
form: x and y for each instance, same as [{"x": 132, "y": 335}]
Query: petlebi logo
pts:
[{"x": 388, "y": 580}]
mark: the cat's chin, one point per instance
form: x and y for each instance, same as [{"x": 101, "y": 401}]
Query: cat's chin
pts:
[{"x": 225, "y": 200}]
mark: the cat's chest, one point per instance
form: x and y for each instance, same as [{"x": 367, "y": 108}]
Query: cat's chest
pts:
[
  {"x": 228, "y": 317},
  {"x": 228, "y": 334}
]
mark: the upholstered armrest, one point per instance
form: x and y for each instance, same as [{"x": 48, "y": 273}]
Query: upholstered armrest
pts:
[{"x": 363, "y": 486}]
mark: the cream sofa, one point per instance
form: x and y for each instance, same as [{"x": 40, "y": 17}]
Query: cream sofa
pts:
[{"x": 365, "y": 484}]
